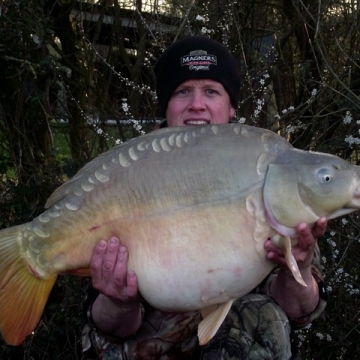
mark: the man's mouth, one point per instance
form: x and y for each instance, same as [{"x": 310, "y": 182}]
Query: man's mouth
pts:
[{"x": 196, "y": 122}]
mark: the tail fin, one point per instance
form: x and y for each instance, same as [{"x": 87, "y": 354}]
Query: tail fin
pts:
[{"x": 22, "y": 295}]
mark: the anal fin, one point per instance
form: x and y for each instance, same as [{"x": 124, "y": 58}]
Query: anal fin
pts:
[{"x": 211, "y": 323}]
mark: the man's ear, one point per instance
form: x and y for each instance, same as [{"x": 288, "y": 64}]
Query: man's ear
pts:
[{"x": 232, "y": 112}]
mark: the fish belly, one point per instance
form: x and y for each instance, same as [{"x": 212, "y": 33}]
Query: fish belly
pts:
[{"x": 197, "y": 258}]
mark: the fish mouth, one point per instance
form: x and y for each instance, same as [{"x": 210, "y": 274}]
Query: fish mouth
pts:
[
  {"x": 196, "y": 122},
  {"x": 356, "y": 196}
]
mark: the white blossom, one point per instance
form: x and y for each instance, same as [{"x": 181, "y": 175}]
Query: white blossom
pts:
[
  {"x": 125, "y": 107},
  {"x": 290, "y": 129},
  {"x": 333, "y": 243},
  {"x": 348, "y": 118},
  {"x": 204, "y": 30},
  {"x": 352, "y": 140},
  {"x": 339, "y": 271}
]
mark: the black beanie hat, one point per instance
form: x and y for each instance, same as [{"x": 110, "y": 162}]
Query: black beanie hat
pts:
[{"x": 196, "y": 57}]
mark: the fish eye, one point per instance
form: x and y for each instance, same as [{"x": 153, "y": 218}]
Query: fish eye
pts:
[{"x": 324, "y": 176}]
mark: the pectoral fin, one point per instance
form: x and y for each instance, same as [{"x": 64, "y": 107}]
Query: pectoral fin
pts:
[
  {"x": 284, "y": 243},
  {"x": 213, "y": 320}
]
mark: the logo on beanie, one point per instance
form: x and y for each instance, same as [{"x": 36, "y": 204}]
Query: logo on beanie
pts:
[{"x": 198, "y": 60}]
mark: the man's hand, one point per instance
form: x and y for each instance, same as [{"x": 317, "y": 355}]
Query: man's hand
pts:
[
  {"x": 109, "y": 272},
  {"x": 117, "y": 309},
  {"x": 296, "y": 300},
  {"x": 304, "y": 250}
]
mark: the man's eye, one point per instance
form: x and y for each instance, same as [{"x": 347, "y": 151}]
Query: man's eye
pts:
[{"x": 211, "y": 91}]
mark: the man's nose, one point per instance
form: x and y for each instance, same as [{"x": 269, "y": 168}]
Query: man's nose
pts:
[{"x": 197, "y": 101}]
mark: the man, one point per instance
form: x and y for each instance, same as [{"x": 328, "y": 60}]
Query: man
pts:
[{"x": 198, "y": 83}]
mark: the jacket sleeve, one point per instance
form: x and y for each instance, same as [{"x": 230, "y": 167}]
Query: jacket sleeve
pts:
[
  {"x": 173, "y": 334},
  {"x": 323, "y": 296}
]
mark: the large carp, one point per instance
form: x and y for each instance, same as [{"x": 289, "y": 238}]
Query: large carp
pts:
[{"x": 194, "y": 206}]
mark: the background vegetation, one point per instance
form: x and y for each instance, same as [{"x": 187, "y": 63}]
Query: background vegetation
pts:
[{"x": 67, "y": 67}]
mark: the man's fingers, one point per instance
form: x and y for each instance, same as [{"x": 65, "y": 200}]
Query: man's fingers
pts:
[
  {"x": 306, "y": 238},
  {"x": 109, "y": 271},
  {"x": 303, "y": 251},
  {"x": 320, "y": 228},
  {"x": 275, "y": 257},
  {"x": 132, "y": 284},
  {"x": 120, "y": 268},
  {"x": 97, "y": 260},
  {"x": 110, "y": 258}
]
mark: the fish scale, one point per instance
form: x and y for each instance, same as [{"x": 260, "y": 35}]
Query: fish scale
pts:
[{"x": 194, "y": 206}]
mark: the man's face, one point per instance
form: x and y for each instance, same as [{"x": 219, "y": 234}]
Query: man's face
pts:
[{"x": 197, "y": 102}]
